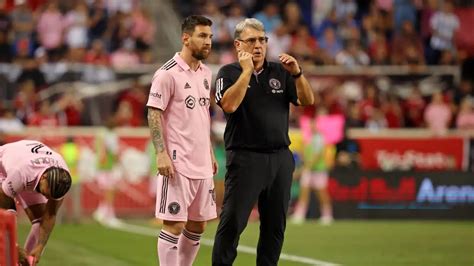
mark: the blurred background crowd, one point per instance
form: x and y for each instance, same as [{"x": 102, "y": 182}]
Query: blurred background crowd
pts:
[{"x": 89, "y": 46}]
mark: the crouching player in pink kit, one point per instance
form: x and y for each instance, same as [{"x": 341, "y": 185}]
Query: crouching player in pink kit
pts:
[
  {"x": 180, "y": 125},
  {"x": 37, "y": 178}
]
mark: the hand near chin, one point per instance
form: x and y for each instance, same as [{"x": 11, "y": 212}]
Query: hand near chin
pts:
[{"x": 245, "y": 60}]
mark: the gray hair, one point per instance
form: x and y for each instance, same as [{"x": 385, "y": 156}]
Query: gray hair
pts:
[{"x": 248, "y": 23}]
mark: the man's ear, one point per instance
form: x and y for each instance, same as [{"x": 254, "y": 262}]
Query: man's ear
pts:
[
  {"x": 237, "y": 45},
  {"x": 185, "y": 38}
]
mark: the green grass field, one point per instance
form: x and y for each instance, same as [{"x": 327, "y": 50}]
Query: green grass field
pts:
[{"x": 346, "y": 242}]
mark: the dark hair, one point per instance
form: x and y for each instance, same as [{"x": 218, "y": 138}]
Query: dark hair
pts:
[
  {"x": 190, "y": 23},
  {"x": 59, "y": 181}
]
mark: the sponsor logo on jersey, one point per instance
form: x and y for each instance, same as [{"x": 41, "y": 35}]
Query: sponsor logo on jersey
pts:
[
  {"x": 204, "y": 101},
  {"x": 44, "y": 161},
  {"x": 155, "y": 95},
  {"x": 190, "y": 102},
  {"x": 187, "y": 86}
]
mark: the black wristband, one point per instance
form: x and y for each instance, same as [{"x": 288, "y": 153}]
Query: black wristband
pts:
[{"x": 299, "y": 74}]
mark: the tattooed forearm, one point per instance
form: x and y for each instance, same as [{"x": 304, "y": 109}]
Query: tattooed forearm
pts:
[
  {"x": 156, "y": 130},
  {"x": 46, "y": 227}
]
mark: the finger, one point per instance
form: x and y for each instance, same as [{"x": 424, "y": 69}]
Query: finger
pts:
[
  {"x": 163, "y": 172},
  {"x": 289, "y": 59},
  {"x": 283, "y": 59},
  {"x": 171, "y": 172}
]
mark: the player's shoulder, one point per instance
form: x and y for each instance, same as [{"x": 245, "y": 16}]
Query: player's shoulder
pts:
[
  {"x": 229, "y": 69},
  {"x": 275, "y": 66},
  {"x": 25, "y": 143},
  {"x": 234, "y": 66},
  {"x": 166, "y": 70},
  {"x": 169, "y": 65}
]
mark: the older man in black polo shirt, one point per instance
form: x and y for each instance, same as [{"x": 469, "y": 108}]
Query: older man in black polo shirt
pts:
[{"x": 255, "y": 95}]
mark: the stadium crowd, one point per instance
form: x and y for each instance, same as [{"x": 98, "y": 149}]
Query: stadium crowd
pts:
[{"x": 111, "y": 34}]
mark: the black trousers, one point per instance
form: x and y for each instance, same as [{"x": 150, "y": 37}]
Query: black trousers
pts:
[{"x": 251, "y": 177}]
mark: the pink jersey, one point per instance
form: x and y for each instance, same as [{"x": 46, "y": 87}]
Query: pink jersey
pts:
[
  {"x": 23, "y": 162},
  {"x": 184, "y": 97}
]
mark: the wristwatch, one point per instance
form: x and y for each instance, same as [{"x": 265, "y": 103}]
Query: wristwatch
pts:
[{"x": 295, "y": 76}]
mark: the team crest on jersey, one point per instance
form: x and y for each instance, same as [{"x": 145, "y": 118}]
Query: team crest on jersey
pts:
[
  {"x": 190, "y": 102},
  {"x": 206, "y": 84},
  {"x": 275, "y": 84},
  {"x": 174, "y": 208}
]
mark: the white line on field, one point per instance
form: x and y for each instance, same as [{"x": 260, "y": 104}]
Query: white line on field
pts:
[{"x": 142, "y": 230}]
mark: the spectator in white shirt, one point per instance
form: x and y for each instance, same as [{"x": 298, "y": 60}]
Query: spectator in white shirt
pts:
[
  {"x": 444, "y": 25},
  {"x": 9, "y": 123}
]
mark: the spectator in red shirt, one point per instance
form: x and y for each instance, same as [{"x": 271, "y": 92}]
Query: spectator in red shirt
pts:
[
  {"x": 71, "y": 108},
  {"x": 407, "y": 46},
  {"x": 414, "y": 107},
  {"x": 97, "y": 54},
  {"x": 392, "y": 111},
  {"x": 124, "y": 116},
  {"x": 44, "y": 117},
  {"x": 137, "y": 97},
  {"x": 369, "y": 102}
]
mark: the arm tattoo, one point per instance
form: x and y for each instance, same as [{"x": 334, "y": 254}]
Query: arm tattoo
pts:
[{"x": 156, "y": 130}]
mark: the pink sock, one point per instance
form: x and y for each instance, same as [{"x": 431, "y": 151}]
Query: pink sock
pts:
[
  {"x": 33, "y": 236},
  {"x": 167, "y": 248},
  {"x": 300, "y": 210},
  {"x": 188, "y": 247}
]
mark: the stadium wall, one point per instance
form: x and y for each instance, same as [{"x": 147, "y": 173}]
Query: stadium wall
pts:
[{"x": 429, "y": 177}]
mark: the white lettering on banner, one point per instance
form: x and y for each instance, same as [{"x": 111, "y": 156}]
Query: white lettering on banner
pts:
[
  {"x": 448, "y": 194},
  {"x": 412, "y": 159}
]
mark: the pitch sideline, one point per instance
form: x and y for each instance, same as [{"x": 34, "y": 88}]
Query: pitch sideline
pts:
[{"x": 146, "y": 231}]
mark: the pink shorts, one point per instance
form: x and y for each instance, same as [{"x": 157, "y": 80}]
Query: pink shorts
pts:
[
  {"x": 29, "y": 198},
  {"x": 182, "y": 199},
  {"x": 317, "y": 180}
]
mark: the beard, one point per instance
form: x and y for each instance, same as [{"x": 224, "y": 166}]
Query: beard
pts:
[{"x": 200, "y": 55}]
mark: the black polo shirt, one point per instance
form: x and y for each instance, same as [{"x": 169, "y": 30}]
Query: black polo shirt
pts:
[{"x": 260, "y": 123}]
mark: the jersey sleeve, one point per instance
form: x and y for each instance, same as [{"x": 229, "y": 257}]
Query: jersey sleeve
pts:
[
  {"x": 162, "y": 89},
  {"x": 291, "y": 89},
  {"x": 13, "y": 184},
  {"x": 223, "y": 83}
]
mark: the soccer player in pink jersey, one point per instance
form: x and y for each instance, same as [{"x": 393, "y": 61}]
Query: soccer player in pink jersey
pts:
[
  {"x": 179, "y": 121},
  {"x": 36, "y": 177}
]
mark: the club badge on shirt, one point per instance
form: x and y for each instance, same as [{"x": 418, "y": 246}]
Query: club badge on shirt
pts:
[
  {"x": 174, "y": 208},
  {"x": 275, "y": 85}
]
